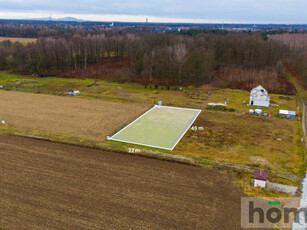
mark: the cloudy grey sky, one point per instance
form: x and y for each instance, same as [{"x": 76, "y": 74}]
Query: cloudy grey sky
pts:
[{"x": 241, "y": 11}]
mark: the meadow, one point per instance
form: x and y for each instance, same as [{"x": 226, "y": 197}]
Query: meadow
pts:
[
  {"x": 223, "y": 138},
  {"x": 269, "y": 143},
  {"x": 188, "y": 97}
]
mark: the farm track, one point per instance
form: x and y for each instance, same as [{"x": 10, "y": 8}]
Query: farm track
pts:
[
  {"x": 57, "y": 186},
  {"x": 304, "y": 124}
]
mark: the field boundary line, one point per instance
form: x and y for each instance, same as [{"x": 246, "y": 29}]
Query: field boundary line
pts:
[
  {"x": 111, "y": 138},
  {"x": 170, "y": 107},
  {"x": 303, "y": 100},
  {"x": 154, "y": 146},
  {"x": 163, "y": 156},
  {"x": 186, "y": 129},
  {"x": 136, "y": 143}
]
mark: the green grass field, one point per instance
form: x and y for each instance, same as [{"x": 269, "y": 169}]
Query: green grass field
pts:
[{"x": 160, "y": 127}]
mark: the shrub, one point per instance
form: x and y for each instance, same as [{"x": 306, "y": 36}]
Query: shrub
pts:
[
  {"x": 287, "y": 98},
  {"x": 273, "y": 102},
  {"x": 220, "y": 108}
]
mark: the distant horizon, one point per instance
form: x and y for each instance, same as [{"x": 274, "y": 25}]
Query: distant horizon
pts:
[
  {"x": 175, "y": 21},
  {"x": 285, "y": 12}
]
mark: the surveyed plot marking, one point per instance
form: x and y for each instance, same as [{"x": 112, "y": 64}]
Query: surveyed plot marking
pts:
[
  {"x": 133, "y": 150},
  {"x": 160, "y": 127},
  {"x": 197, "y": 128}
]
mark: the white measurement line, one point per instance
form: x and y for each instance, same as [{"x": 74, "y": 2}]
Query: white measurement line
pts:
[
  {"x": 154, "y": 146},
  {"x": 187, "y": 128},
  {"x": 112, "y": 138},
  {"x": 179, "y": 108},
  {"x": 137, "y": 143}
]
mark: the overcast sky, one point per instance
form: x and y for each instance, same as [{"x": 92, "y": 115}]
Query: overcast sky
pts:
[{"x": 201, "y": 11}]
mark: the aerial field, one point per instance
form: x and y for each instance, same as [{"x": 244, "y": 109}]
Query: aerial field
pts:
[
  {"x": 160, "y": 127},
  {"x": 222, "y": 138},
  {"x": 47, "y": 185},
  {"x": 21, "y": 40},
  {"x": 90, "y": 119},
  {"x": 244, "y": 139}
]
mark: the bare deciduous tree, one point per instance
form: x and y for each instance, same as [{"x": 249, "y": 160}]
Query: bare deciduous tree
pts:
[{"x": 180, "y": 53}]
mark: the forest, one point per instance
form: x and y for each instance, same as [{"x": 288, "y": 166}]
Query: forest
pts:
[{"x": 234, "y": 60}]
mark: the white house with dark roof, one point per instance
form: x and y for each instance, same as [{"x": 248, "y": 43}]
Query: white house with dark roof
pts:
[{"x": 259, "y": 97}]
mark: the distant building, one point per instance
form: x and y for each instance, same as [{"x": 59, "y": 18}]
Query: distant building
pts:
[
  {"x": 287, "y": 114},
  {"x": 260, "y": 178},
  {"x": 259, "y": 97}
]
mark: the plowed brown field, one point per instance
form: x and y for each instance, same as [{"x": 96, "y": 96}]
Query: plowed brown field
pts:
[
  {"x": 92, "y": 119},
  {"x": 46, "y": 185}
]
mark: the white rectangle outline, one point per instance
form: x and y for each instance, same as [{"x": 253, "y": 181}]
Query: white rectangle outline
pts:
[{"x": 153, "y": 146}]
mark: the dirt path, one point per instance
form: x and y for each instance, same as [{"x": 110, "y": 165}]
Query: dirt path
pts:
[
  {"x": 304, "y": 124},
  {"x": 55, "y": 186}
]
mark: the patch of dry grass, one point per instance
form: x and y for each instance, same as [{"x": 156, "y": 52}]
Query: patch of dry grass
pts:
[
  {"x": 238, "y": 99},
  {"x": 235, "y": 138},
  {"x": 21, "y": 40}
]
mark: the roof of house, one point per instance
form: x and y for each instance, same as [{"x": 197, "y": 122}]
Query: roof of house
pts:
[
  {"x": 260, "y": 175},
  {"x": 259, "y": 92},
  {"x": 259, "y": 86}
]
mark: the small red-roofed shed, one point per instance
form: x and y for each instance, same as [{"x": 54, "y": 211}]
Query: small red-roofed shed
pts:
[
  {"x": 260, "y": 175},
  {"x": 260, "y": 178}
]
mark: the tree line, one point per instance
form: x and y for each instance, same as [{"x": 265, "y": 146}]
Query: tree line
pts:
[
  {"x": 297, "y": 44},
  {"x": 33, "y": 32},
  {"x": 149, "y": 58}
]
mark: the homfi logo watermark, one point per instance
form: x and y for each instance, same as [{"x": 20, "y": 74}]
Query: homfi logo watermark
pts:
[{"x": 270, "y": 212}]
